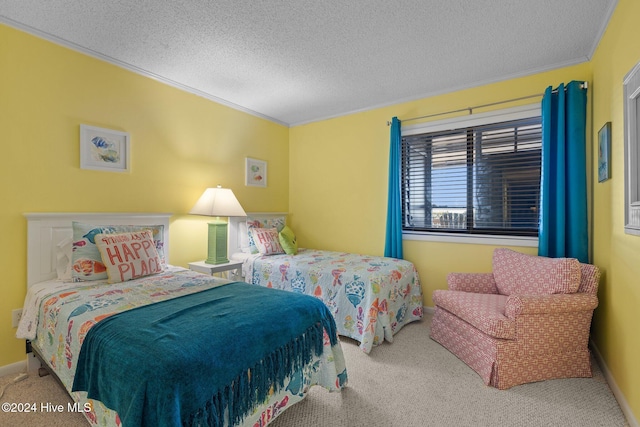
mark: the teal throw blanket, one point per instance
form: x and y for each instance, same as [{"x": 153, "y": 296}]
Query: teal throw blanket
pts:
[{"x": 188, "y": 360}]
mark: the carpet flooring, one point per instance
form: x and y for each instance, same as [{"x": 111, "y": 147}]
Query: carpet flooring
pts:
[{"x": 412, "y": 382}]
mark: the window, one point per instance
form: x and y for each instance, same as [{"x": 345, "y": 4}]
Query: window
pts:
[
  {"x": 632, "y": 151},
  {"x": 479, "y": 175}
]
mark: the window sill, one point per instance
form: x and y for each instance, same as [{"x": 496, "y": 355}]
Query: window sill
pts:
[
  {"x": 630, "y": 230},
  {"x": 472, "y": 239}
]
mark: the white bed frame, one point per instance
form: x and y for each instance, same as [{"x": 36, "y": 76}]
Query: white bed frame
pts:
[
  {"x": 235, "y": 229},
  {"x": 46, "y": 230}
]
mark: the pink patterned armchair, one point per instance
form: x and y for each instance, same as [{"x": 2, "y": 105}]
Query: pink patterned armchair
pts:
[{"x": 527, "y": 321}]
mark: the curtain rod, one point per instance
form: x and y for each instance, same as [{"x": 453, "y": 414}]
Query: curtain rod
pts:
[{"x": 584, "y": 85}]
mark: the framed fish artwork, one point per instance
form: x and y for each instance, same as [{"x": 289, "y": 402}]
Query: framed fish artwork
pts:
[
  {"x": 255, "y": 172},
  {"x": 104, "y": 149}
]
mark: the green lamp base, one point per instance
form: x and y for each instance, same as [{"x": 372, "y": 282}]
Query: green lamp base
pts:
[{"x": 217, "y": 250}]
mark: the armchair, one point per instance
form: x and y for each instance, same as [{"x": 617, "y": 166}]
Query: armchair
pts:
[{"x": 528, "y": 320}]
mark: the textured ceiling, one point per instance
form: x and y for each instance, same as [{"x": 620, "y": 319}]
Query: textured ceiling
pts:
[{"x": 298, "y": 61}]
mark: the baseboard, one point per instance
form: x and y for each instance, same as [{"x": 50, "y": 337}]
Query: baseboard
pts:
[
  {"x": 428, "y": 310},
  {"x": 30, "y": 364},
  {"x": 13, "y": 368},
  {"x": 624, "y": 405}
]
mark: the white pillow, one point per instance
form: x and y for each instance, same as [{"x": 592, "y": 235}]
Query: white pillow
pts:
[{"x": 64, "y": 251}]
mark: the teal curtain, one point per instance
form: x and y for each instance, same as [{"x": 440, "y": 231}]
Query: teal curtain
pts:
[
  {"x": 393, "y": 243},
  {"x": 563, "y": 192}
]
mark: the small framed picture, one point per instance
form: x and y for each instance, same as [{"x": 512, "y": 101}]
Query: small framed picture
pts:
[
  {"x": 104, "y": 149},
  {"x": 255, "y": 172},
  {"x": 604, "y": 152}
]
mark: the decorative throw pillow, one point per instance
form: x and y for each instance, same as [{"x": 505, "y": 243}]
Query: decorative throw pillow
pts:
[
  {"x": 276, "y": 222},
  {"x": 518, "y": 273},
  {"x": 128, "y": 256},
  {"x": 86, "y": 262},
  {"x": 288, "y": 241},
  {"x": 266, "y": 240},
  {"x": 64, "y": 251}
]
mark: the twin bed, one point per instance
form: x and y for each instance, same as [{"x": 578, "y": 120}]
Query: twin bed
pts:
[
  {"x": 175, "y": 347},
  {"x": 182, "y": 348},
  {"x": 371, "y": 298}
]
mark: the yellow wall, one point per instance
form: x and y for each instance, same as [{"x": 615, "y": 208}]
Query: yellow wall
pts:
[
  {"x": 617, "y": 319},
  {"x": 180, "y": 144}
]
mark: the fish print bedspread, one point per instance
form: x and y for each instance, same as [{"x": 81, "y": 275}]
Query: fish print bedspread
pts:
[
  {"x": 66, "y": 315},
  {"x": 370, "y": 297}
]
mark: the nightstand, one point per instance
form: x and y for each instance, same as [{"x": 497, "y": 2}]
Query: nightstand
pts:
[{"x": 233, "y": 269}]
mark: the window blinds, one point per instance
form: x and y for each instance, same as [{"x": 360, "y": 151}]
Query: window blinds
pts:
[{"x": 483, "y": 179}]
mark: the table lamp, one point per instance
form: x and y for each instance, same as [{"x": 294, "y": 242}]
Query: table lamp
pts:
[{"x": 217, "y": 202}]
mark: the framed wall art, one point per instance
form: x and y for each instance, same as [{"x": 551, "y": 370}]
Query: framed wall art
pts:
[
  {"x": 604, "y": 152},
  {"x": 104, "y": 149},
  {"x": 255, "y": 172},
  {"x": 631, "y": 97}
]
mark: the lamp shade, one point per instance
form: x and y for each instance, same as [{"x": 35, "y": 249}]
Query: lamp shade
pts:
[{"x": 218, "y": 202}]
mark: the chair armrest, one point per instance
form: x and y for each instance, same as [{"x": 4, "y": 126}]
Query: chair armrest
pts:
[
  {"x": 479, "y": 283},
  {"x": 544, "y": 304}
]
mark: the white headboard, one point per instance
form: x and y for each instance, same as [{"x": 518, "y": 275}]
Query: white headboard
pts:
[
  {"x": 236, "y": 230},
  {"x": 46, "y": 230}
]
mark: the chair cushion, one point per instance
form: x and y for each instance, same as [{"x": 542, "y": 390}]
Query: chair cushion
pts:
[
  {"x": 486, "y": 312},
  {"x": 518, "y": 273}
]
